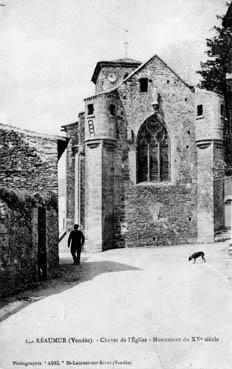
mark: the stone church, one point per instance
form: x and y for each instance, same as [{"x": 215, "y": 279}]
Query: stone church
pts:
[{"x": 145, "y": 161}]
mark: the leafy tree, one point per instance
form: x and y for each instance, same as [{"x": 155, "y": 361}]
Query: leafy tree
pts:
[
  {"x": 213, "y": 71},
  {"x": 213, "y": 76}
]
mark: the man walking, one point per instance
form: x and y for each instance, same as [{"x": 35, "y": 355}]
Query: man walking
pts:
[{"x": 76, "y": 239}]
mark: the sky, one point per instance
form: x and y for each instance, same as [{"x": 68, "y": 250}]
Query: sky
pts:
[{"x": 49, "y": 49}]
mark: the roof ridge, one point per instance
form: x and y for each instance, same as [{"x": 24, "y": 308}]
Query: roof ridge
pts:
[
  {"x": 162, "y": 61},
  {"x": 32, "y": 133}
]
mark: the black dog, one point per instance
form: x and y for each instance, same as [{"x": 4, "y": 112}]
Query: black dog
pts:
[{"x": 197, "y": 255}]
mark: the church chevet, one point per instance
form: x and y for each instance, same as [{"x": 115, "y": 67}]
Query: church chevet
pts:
[{"x": 145, "y": 160}]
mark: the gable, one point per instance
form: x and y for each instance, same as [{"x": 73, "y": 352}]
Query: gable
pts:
[
  {"x": 156, "y": 64},
  {"x": 155, "y": 87}
]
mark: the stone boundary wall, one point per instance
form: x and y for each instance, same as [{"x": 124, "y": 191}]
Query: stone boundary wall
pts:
[
  {"x": 28, "y": 162},
  {"x": 28, "y": 180},
  {"x": 19, "y": 240}
]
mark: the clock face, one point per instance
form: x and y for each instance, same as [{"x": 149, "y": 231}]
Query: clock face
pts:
[{"x": 112, "y": 77}]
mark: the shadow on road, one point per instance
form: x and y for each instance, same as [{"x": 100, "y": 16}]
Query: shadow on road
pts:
[
  {"x": 70, "y": 276},
  {"x": 89, "y": 270}
]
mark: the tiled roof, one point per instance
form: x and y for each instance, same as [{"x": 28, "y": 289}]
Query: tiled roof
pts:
[{"x": 126, "y": 60}]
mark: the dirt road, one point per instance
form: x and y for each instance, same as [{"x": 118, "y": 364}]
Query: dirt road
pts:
[{"x": 129, "y": 308}]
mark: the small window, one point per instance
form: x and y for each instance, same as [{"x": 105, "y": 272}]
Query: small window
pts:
[
  {"x": 199, "y": 110},
  {"x": 143, "y": 84},
  {"x": 90, "y": 109},
  {"x": 91, "y": 128},
  {"x": 112, "y": 109}
]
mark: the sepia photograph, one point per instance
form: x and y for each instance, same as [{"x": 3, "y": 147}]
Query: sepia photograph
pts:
[{"x": 115, "y": 184}]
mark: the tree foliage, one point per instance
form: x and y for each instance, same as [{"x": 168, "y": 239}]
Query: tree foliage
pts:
[{"x": 213, "y": 71}]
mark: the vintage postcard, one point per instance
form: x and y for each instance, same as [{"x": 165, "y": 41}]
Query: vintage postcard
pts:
[{"x": 115, "y": 184}]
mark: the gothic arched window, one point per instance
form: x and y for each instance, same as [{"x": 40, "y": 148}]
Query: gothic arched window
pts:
[{"x": 152, "y": 153}]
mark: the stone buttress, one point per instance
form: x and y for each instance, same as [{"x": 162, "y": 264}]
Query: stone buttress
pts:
[
  {"x": 210, "y": 164},
  {"x": 100, "y": 141}
]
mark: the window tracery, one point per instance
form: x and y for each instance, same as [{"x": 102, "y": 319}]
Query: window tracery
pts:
[{"x": 152, "y": 152}]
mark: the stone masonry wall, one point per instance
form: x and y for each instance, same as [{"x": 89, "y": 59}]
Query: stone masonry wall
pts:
[
  {"x": 148, "y": 213},
  {"x": 121, "y": 171},
  {"x": 228, "y": 122},
  {"x": 28, "y": 169},
  {"x": 218, "y": 176},
  {"x": 158, "y": 213},
  {"x": 18, "y": 258},
  {"x": 210, "y": 125},
  {"x": 82, "y": 170},
  {"x": 75, "y": 171},
  {"x": 93, "y": 198},
  {"x": 100, "y": 142},
  {"x": 228, "y": 94},
  {"x": 108, "y": 196},
  {"x": 205, "y": 189},
  {"x": 19, "y": 241},
  {"x": 71, "y": 131},
  {"x": 28, "y": 162},
  {"x": 211, "y": 163},
  {"x": 102, "y": 82},
  {"x": 210, "y": 185}
]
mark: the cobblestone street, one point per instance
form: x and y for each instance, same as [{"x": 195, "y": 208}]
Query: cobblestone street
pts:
[{"x": 117, "y": 308}]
